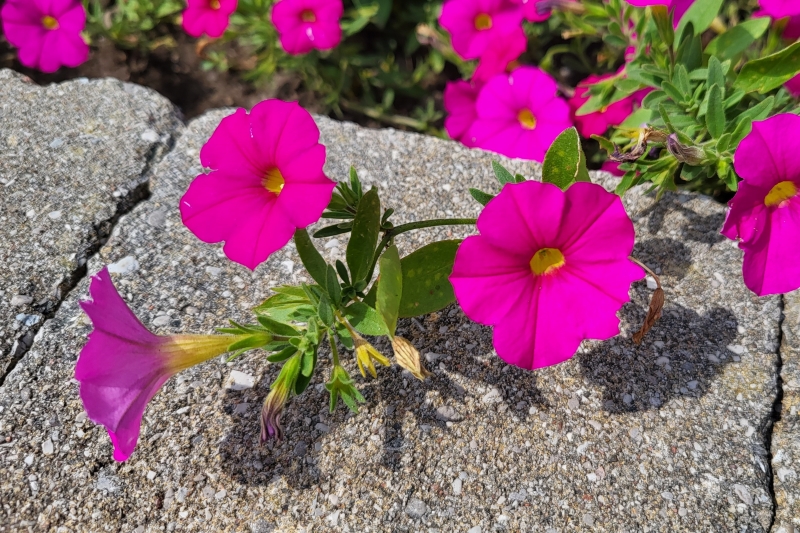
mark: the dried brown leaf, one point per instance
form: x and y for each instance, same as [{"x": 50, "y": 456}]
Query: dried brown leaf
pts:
[{"x": 653, "y": 314}]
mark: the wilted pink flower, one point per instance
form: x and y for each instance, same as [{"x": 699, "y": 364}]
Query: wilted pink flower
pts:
[
  {"x": 123, "y": 365},
  {"x": 678, "y": 6},
  {"x": 519, "y": 114},
  {"x": 598, "y": 122},
  {"x": 473, "y": 24},
  {"x": 47, "y": 32},
  {"x": 765, "y": 213},
  {"x": 266, "y": 181},
  {"x": 208, "y": 16},
  {"x": 548, "y": 270},
  {"x": 780, "y": 8},
  {"x": 304, "y": 25},
  {"x": 500, "y": 56},
  {"x": 459, "y": 103},
  {"x": 540, "y": 10}
]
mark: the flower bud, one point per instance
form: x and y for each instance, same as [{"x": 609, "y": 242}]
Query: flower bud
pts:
[
  {"x": 365, "y": 354},
  {"x": 408, "y": 357},
  {"x": 278, "y": 395},
  {"x": 691, "y": 155}
]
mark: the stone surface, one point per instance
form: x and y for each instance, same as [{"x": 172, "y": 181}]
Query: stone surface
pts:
[
  {"x": 786, "y": 433},
  {"x": 73, "y": 157},
  {"x": 593, "y": 444}
]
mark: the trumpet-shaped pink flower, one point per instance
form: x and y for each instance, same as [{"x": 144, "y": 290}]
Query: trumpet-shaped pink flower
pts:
[
  {"x": 598, "y": 122},
  {"x": 764, "y": 214},
  {"x": 474, "y": 24},
  {"x": 123, "y": 365},
  {"x": 304, "y": 25},
  {"x": 47, "y": 32},
  {"x": 500, "y": 56},
  {"x": 678, "y": 6},
  {"x": 549, "y": 269},
  {"x": 459, "y": 102},
  {"x": 266, "y": 181},
  {"x": 519, "y": 115},
  {"x": 780, "y": 8},
  {"x": 208, "y": 16}
]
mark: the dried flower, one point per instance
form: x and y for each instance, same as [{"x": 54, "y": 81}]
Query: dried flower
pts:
[
  {"x": 276, "y": 400},
  {"x": 408, "y": 357},
  {"x": 549, "y": 269},
  {"x": 691, "y": 155},
  {"x": 123, "y": 365}
]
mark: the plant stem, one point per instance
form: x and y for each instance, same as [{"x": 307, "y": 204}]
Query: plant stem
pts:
[
  {"x": 658, "y": 280},
  {"x": 403, "y": 228},
  {"x": 334, "y": 349}
]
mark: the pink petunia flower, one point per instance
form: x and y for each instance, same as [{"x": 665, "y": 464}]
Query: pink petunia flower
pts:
[
  {"x": 266, "y": 181},
  {"x": 208, "y": 16},
  {"x": 549, "y": 269},
  {"x": 304, "y": 25},
  {"x": 793, "y": 86},
  {"x": 474, "y": 24},
  {"x": 540, "y": 10},
  {"x": 519, "y": 115},
  {"x": 680, "y": 7},
  {"x": 764, "y": 214},
  {"x": 597, "y": 123},
  {"x": 459, "y": 103},
  {"x": 780, "y": 8},
  {"x": 123, "y": 365},
  {"x": 612, "y": 167},
  {"x": 500, "y": 56},
  {"x": 47, "y": 32}
]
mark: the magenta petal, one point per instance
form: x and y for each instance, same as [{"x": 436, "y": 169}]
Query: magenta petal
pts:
[
  {"x": 768, "y": 154},
  {"x": 259, "y": 235},
  {"x": 771, "y": 263},
  {"x": 231, "y": 146}
]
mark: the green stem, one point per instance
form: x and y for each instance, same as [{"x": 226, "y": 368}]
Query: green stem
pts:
[
  {"x": 334, "y": 349},
  {"x": 403, "y": 228}
]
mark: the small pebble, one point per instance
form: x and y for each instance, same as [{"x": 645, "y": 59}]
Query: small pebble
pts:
[{"x": 47, "y": 447}]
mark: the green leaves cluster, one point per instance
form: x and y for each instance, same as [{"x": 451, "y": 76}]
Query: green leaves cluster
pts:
[
  {"x": 706, "y": 97},
  {"x": 132, "y": 24}
]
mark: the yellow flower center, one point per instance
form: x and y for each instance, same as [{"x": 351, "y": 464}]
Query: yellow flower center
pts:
[
  {"x": 546, "y": 261},
  {"x": 273, "y": 181},
  {"x": 214, "y": 4},
  {"x": 526, "y": 119},
  {"x": 780, "y": 193},
  {"x": 308, "y": 16},
  {"x": 483, "y": 22},
  {"x": 49, "y": 22}
]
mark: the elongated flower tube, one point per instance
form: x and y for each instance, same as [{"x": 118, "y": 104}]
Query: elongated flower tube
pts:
[
  {"x": 123, "y": 365},
  {"x": 278, "y": 395}
]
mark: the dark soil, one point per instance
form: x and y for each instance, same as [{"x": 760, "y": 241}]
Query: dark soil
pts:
[{"x": 175, "y": 73}]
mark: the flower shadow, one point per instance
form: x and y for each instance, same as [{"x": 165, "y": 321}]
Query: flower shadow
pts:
[
  {"x": 703, "y": 228},
  {"x": 671, "y": 257},
  {"x": 680, "y": 357}
]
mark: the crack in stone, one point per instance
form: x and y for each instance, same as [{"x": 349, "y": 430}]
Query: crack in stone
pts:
[
  {"x": 775, "y": 416},
  {"x": 94, "y": 241}
]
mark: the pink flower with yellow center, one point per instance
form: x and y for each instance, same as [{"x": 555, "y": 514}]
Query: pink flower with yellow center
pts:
[
  {"x": 208, "y": 16},
  {"x": 549, "y": 269},
  {"x": 47, "y": 32},
  {"x": 764, "y": 214},
  {"x": 501, "y": 56},
  {"x": 780, "y": 8},
  {"x": 305, "y": 25},
  {"x": 519, "y": 114},
  {"x": 459, "y": 102},
  {"x": 123, "y": 365},
  {"x": 266, "y": 181},
  {"x": 474, "y": 24}
]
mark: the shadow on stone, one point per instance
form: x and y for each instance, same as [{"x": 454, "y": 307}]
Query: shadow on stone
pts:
[
  {"x": 673, "y": 257},
  {"x": 691, "y": 352},
  {"x": 698, "y": 228}
]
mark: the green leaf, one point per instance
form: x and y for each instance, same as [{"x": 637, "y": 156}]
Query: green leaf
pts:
[
  {"x": 737, "y": 39},
  {"x": 742, "y": 130},
  {"x": 565, "y": 162},
  {"x": 332, "y": 230},
  {"x": 663, "y": 21},
  {"x": 390, "y": 288},
  {"x": 333, "y": 287},
  {"x": 700, "y": 15},
  {"x": 768, "y": 73},
  {"x": 324, "y": 311},
  {"x": 715, "y": 74},
  {"x": 364, "y": 237},
  {"x": 276, "y": 327},
  {"x": 502, "y": 175},
  {"x": 481, "y": 197},
  {"x": 309, "y": 362},
  {"x": 342, "y": 270},
  {"x": 365, "y": 319},
  {"x": 310, "y": 256},
  {"x": 283, "y": 355},
  {"x": 426, "y": 287},
  {"x": 715, "y": 118}
]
